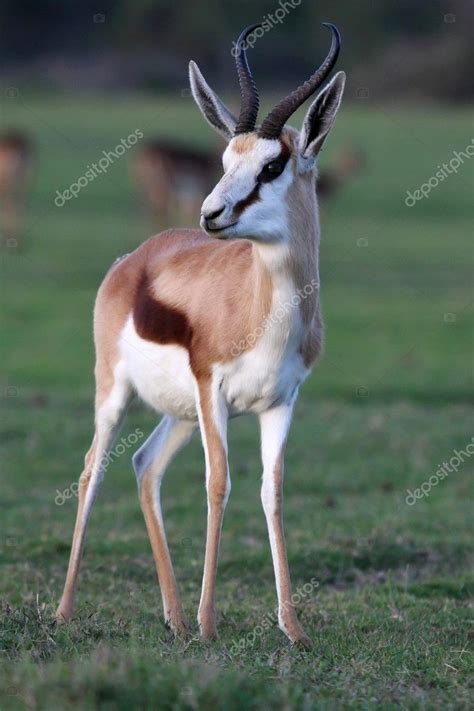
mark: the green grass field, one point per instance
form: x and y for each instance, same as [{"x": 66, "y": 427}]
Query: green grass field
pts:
[{"x": 390, "y": 401}]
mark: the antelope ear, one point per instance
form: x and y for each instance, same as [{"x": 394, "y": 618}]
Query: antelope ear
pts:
[
  {"x": 320, "y": 117},
  {"x": 213, "y": 109}
]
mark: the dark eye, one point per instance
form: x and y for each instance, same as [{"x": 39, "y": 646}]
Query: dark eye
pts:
[{"x": 270, "y": 171}]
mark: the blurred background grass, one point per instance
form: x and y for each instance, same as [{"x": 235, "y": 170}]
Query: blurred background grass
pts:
[{"x": 390, "y": 400}]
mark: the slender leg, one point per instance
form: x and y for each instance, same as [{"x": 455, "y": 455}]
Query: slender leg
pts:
[
  {"x": 109, "y": 418},
  {"x": 274, "y": 425},
  {"x": 11, "y": 217},
  {"x": 150, "y": 463},
  {"x": 213, "y": 423}
]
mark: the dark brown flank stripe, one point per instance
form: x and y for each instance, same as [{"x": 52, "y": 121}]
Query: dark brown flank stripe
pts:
[{"x": 155, "y": 321}]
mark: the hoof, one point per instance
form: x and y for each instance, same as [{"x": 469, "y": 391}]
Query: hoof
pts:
[
  {"x": 179, "y": 630},
  {"x": 295, "y": 633},
  {"x": 179, "y": 626},
  {"x": 303, "y": 641},
  {"x": 208, "y": 630},
  {"x": 62, "y": 617},
  {"x": 208, "y": 635},
  {"x": 207, "y": 625}
]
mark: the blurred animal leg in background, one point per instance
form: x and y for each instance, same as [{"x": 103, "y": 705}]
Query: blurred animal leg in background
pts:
[
  {"x": 16, "y": 171},
  {"x": 172, "y": 180},
  {"x": 152, "y": 181}
]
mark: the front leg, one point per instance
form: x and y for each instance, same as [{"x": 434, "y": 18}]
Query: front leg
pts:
[
  {"x": 274, "y": 426},
  {"x": 213, "y": 423}
]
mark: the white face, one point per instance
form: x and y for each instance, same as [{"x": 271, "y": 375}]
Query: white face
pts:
[{"x": 250, "y": 199}]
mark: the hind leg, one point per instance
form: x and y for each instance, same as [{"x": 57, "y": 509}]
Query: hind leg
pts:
[
  {"x": 110, "y": 413},
  {"x": 150, "y": 463}
]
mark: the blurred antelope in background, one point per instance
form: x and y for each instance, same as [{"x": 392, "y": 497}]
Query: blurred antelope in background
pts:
[
  {"x": 347, "y": 163},
  {"x": 210, "y": 324},
  {"x": 16, "y": 172},
  {"x": 173, "y": 179}
]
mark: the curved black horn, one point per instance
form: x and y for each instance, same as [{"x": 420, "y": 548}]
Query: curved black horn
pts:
[
  {"x": 276, "y": 119},
  {"x": 249, "y": 101}
]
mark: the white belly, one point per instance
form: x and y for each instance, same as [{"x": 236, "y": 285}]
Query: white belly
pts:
[
  {"x": 252, "y": 382},
  {"x": 160, "y": 374}
]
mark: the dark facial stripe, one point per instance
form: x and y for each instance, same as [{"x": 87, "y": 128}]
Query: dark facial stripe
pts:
[{"x": 252, "y": 197}]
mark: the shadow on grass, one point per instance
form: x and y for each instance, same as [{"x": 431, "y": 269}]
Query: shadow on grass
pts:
[{"x": 353, "y": 563}]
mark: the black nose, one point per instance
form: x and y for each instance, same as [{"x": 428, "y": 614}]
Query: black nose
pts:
[{"x": 212, "y": 215}]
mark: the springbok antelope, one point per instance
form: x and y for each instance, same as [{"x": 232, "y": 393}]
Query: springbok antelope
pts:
[
  {"x": 173, "y": 179},
  {"x": 168, "y": 317},
  {"x": 16, "y": 170}
]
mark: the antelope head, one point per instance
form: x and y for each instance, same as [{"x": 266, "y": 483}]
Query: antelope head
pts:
[{"x": 261, "y": 164}]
